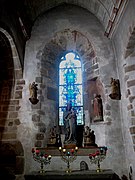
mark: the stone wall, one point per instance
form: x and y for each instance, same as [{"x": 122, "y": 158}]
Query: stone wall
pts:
[
  {"x": 124, "y": 47},
  {"x": 64, "y": 29},
  {"x": 12, "y": 153}
]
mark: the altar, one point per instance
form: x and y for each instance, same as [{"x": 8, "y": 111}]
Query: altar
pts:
[
  {"x": 107, "y": 174},
  {"x": 87, "y": 174}
]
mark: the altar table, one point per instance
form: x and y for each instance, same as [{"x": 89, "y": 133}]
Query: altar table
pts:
[{"x": 86, "y": 174}]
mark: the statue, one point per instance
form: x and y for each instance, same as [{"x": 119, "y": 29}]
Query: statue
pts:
[
  {"x": 52, "y": 135},
  {"x": 115, "y": 89},
  {"x": 89, "y": 137},
  {"x": 93, "y": 138},
  {"x": 58, "y": 141},
  {"x": 86, "y": 136},
  {"x": 54, "y": 139},
  {"x": 33, "y": 93},
  {"x": 97, "y": 108},
  {"x": 70, "y": 124}
]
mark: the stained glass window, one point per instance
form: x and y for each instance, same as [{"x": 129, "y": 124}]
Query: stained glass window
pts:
[{"x": 70, "y": 86}]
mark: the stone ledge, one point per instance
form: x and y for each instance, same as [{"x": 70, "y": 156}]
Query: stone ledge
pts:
[{"x": 85, "y": 151}]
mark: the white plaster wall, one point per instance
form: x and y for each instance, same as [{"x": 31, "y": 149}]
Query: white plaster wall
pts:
[{"x": 120, "y": 39}]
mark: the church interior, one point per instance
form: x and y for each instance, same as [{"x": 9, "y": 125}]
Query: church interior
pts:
[{"x": 53, "y": 52}]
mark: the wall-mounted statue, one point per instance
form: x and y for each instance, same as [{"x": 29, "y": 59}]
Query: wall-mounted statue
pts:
[
  {"x": 33, "y": 93},
  {"x": 115, "y": 89},
  {"x": 89, "y": 137},
  {"x": 97, "y": 108}
]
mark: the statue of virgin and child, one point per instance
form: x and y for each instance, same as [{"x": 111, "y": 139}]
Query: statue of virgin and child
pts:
[{"x": 70, "y": 124}]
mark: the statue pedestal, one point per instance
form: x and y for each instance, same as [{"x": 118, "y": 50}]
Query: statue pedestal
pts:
[
  {"x": 33, "y": 100},
  {"x": 89, "y": 145},
  {"x": 51, "y": 145},
  {"x": 98, "y": 119},
  {"x": 69, "y": 146}
]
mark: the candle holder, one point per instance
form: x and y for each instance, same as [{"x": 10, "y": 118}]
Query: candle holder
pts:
[
  {"x": 42, "y": 158},
  {"x": 68, "y": 156},
  {"x": 98, "y": 157}
]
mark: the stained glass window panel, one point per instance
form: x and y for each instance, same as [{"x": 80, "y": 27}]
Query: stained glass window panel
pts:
[{"x": 70, "y": 86}]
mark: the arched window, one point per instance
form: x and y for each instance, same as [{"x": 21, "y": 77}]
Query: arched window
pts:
[{"x": 70, "y": 86}]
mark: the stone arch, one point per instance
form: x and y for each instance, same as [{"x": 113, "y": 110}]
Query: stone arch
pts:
[
  {"x": 62, "y": 42},
  {"x": 10, "y": 94},
  {"x": 131, "y": 44},
  {"x": 70, "y": 40},
  {"x": 129, "y": 69},
  {"x": 11, "y": 158},
  {"x": 16, "y": 60}
]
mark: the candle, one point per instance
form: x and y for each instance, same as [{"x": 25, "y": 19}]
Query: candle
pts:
[
  {"x": 76, "y": 148},
  {"x": 64, "y": 150},
  {"x": 49, "y": 157},
  {"x": 60, "y": 148}
]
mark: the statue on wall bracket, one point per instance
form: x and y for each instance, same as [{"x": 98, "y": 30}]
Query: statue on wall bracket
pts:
[
  {"x": 33, "y": 93},
  {"x": 115, "y": 89}
]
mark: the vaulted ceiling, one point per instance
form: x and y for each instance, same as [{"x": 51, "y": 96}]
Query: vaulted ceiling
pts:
[{"x": 107, "y": 11}]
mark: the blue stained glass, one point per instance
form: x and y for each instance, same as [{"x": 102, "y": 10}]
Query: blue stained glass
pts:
[{"x": 70, "y": 86}]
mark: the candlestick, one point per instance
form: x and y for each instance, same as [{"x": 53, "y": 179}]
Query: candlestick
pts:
[
  {"x": 98, "y": 157},
  {"x": 68, "y": 156},
  {"x": 42, "y": 158}
]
